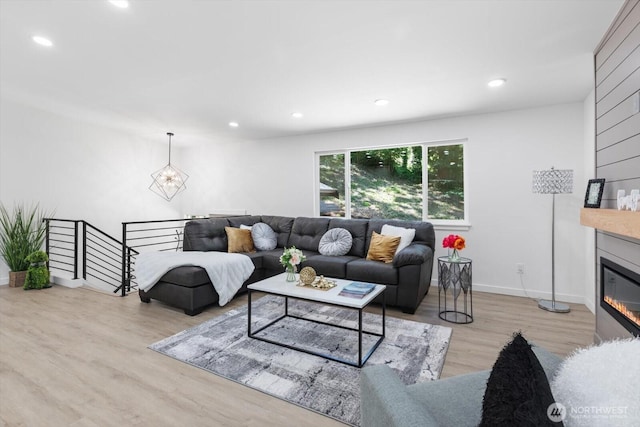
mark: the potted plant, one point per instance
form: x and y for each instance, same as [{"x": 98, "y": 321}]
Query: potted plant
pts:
[
  {"x": 38, "y": 273},
  {"x": 22, "y": 232}
]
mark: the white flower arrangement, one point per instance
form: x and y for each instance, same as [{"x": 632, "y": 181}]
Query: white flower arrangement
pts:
[{"x": 291, "y": 257}]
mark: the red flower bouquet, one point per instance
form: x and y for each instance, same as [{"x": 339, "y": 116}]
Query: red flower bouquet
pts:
[{"x": 455, "y": 242}]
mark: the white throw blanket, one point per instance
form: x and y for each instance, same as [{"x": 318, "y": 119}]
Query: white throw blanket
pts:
[{"x": 226, "y": 271}]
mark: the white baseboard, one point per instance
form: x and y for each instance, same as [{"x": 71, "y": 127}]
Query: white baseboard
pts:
[
  {"x": 519, "y": 292},
  {"x": 590, "y": 305},
  {"x": 63, "y": 281},
  {"x": 66, "y": 282}
]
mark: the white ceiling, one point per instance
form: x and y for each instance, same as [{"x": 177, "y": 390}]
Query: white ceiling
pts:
[{"x": 191, "y": 66}]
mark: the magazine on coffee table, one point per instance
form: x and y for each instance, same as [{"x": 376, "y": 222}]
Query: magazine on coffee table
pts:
[{"x": 357, "y": 289}]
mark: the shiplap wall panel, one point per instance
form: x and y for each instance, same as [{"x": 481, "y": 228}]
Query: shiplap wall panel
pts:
[
  {"x": 617, "y": 141},
  {"x": 628, "y": 168},
  {"x": 611, "y": 188},
  {"x": 624, "y": 130},
  {"x": 616, "y": 115},
  {"x": 619, "y": 246},
  {"x": 614, "y": 153},
  {"x": 605, "y": 83},
  {"x": 614, "y": 49},
  {"x": 626, "y": 8},
  {"x": 620, "y": 92},
  {"x": 619, "y": 55}
]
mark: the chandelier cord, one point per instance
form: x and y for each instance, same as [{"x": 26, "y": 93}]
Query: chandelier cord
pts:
[{"x": 170, "y": 135}]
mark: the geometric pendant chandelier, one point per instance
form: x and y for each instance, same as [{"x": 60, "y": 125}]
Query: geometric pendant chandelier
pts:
[{"x": 168, "y": 181}]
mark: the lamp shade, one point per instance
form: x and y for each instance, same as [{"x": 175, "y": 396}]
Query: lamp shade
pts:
[{"x": 553, "y": 181}]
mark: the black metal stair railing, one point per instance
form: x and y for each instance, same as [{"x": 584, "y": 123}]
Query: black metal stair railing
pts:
[
  {"x": 101, "y": 260},
  {"x": 145, "y": 236},
  {"x": 76, "y": 245},
  {"x": 62, "y": 245}
]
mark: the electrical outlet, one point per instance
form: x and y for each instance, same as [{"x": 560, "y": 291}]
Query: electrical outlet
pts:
[{"x": 520, "y": 268}]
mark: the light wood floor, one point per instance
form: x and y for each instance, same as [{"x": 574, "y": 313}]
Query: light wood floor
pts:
[{"x": 77, "y": 357}]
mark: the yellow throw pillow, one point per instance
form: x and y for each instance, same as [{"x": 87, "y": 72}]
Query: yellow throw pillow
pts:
[
  {"x": 239, "y": 240},
  {"x": 382, "y": 248}
]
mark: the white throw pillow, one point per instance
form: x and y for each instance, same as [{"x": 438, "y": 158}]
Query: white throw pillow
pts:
[
  {"x": 598, "y": 385},
  {"x": 245, "y": 227},
  {"x": 335, "y": 242},
  {"x": 264, "y": 238},
  {"x": 406, "y": 235}
]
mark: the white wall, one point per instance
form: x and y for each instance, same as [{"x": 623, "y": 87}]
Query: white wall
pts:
[
  {"x": 79, "y": 170},
  {"x": 590, "y": 173},
  {"x": 510, "y": 224},
  {"x": 99, "y": 174}
]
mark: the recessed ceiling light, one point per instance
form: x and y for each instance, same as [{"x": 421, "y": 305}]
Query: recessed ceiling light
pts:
[
  {"x": 42, "y": 41},
  {"x": 122, "y": 4},
  {"x": 381, "y": 102},
  {"x": 297, "y": 115},
  {"x": 234, "y": 124},
  {"x": 497, "y": 82}
]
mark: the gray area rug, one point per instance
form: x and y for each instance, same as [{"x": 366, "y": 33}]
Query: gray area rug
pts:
[{"x": 220, "y": 345}]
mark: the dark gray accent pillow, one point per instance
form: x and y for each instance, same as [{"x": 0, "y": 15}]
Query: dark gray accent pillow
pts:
[
  {"x": 335, "y": 242},
  {"x": 264, "y": 238}
]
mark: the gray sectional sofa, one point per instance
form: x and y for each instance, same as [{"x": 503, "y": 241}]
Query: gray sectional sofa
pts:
[{"x": 407, "y": 278}]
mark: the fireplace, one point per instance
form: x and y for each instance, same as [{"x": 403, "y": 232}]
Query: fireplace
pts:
[{"x": 620, "y": 294}]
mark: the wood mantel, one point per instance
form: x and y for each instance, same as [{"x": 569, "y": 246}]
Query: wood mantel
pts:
[{"x": 625, "y": 223}]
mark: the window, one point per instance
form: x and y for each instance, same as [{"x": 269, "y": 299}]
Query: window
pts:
[
  {"x": 415, "y": 182},
  {"x": 445, "y": 166},
  {"x": 387, "y": 183},
  {"x": 332, "y": 185}
]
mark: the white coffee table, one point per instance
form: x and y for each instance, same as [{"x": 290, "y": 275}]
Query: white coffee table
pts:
[{"x": 277, "y": 285}]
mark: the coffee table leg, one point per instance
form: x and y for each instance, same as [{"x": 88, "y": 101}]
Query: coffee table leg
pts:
[
  {"x": 249, "y": 313},
  {"x": 360, "y": 338},
  {"x": 384, "y": 313}
]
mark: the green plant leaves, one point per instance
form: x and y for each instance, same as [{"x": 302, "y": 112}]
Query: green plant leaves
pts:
[{"x": 22, "y": 232}]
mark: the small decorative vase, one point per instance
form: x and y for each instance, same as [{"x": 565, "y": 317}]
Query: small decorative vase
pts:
[
  {"x": 291, "y": 273},
  {"x": 454, "y": 256}
]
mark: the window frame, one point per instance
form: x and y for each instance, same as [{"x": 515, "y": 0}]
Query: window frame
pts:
[{"x": 441, "y": 224}]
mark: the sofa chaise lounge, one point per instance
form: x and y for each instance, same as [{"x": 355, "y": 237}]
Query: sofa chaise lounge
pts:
[{"x": 407, "y": 277}]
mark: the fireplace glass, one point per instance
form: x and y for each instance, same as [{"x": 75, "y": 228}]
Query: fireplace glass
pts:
[{"x": 620, "y": 294}]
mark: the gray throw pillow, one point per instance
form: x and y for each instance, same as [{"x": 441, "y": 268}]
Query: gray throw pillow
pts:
[
  {"x": 264, "y": 238},
  {"x": 335, "y": 242}
]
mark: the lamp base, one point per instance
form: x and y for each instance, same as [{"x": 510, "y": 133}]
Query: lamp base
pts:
[{"x": 556, "y": 307}]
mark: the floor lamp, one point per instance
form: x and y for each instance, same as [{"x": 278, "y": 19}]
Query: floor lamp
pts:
[{"x": 553, "y": 181}]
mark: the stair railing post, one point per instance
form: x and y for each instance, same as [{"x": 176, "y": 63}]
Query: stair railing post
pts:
[
  {"x": 76, "y": 248},
  {"x": 125, "y": 274},
  {"x": 46, "y": 241}
]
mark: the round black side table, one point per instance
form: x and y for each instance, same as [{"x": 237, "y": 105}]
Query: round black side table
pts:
[{"x": 455, "y": 301}]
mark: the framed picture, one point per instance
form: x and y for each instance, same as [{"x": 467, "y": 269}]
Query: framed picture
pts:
[{"x": 594, "y": 193}]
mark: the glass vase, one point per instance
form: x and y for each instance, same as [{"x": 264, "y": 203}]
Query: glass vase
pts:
[
  {"x": 291, "y": 273},
  {"x": 454, "y": 255}
]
